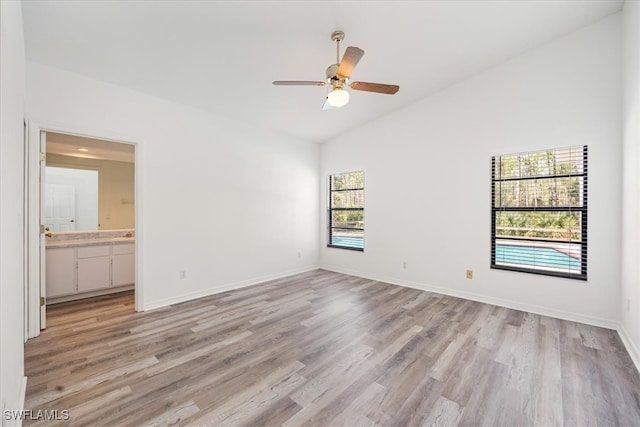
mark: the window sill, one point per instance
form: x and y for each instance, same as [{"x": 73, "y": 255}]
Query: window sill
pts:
[
  {"x": 540, "y": 272},
  {"x": 346, "y": 247}
]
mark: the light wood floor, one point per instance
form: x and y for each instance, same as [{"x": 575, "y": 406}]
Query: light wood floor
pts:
[{"x": 326, "y": 349}]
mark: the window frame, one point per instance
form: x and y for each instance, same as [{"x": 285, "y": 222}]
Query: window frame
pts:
[
  {"x": 331, "y": 227},
  {"x": 583, "y": 209}
]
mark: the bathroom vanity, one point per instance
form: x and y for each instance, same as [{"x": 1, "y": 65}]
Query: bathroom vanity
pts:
[{"x": 85, "y": 264}]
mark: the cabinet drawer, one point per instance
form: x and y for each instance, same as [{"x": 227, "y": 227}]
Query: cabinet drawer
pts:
[
  {"x": 123, "y": 249},
  {"x": 93, "y": 251}
]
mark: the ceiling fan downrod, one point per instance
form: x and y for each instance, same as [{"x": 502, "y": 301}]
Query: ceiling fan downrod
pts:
[{"x": 337, "y": 36}]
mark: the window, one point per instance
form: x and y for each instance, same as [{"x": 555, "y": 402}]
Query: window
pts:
[
  {"x": 346, "y": 211},
  {"x": 539, "y": 212}
]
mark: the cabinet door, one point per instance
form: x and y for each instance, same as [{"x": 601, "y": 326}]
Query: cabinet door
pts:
[
  {"x": 60, "y": 272},
  {"x": 93, "y": 273},
  {"x": 123, "y": 270}
]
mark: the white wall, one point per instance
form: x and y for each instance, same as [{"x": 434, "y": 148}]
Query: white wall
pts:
[
  {"x": 427, "y": 177},
  {"x": 228, "y": 203},
  {"x": 630, "y": 301},
  {"x": 12, "y": 92}
]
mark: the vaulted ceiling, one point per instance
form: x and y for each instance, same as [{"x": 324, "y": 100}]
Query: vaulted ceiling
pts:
[{"x": 222, "y": 56}]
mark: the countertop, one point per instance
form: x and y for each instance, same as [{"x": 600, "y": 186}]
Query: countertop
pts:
[
  {"x": 89, "y": 242},
  {"x": 71, "y": 239}
]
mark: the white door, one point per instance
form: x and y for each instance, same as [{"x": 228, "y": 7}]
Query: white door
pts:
[
  {"x": 43, "y": 242},
  {"x": 35, "y": 230},
  {"x": 60, "y": 207}
]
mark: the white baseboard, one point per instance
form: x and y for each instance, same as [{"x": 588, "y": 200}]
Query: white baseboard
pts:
[
  {"x": 631, "y": 347},
  {"x": 543, "y": 311},
  {"x": 224, "y": 288},
  {"x": 84, "y": 295},
  {"x": 23, "y": 393}
]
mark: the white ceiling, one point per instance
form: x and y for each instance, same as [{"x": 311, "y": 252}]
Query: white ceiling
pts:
[{"x": 222, "y": 56}]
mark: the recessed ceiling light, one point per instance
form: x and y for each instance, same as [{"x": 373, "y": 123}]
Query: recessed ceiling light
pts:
[{"x": 84, "y": 150}]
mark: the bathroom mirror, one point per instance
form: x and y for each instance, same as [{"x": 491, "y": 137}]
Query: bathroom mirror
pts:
[
  {"x": 71, "y": 199},
  {"x": 89, "y": 184}
]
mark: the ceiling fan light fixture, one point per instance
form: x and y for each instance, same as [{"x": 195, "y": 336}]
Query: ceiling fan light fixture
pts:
[{"x": 338, "y": 98}]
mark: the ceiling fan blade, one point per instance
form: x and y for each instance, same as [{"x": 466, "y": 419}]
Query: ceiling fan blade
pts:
[
  {"x": 349, "y": 61},
  {"x": 298, "y": 83},
  {"x": 375, "y": 87}
]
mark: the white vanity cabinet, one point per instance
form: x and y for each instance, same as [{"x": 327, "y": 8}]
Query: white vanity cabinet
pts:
[
  {"x": 94, "y": 267},
  {"x": 61, "y": 272},
  {"x": 123, "y": 264},
  {"x": 80, "y": 271}
]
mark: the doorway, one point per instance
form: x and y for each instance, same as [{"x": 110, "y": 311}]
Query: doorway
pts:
[{"x": 80, "y": 187}]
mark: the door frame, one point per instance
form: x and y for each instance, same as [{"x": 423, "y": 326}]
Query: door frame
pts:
[{"x": 35, "y": 265}]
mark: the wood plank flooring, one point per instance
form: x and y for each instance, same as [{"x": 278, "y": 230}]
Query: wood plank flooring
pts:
[{"x": 326, "y": 349}]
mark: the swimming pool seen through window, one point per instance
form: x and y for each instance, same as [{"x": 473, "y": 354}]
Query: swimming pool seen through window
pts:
[{"x": 539, "y": 212}]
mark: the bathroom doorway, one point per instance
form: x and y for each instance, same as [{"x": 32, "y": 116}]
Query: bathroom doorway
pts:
[{"x": 81, "y": 220}]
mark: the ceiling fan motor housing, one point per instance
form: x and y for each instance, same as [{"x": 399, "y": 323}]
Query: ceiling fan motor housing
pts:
[{"x": 333, "y": 78}]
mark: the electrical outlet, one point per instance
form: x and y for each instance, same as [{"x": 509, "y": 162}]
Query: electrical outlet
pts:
[
  {"x": 183, "y": 274},
  {"x": 299, "y": 254},
  {"x": 469, "y": 274},
  {"x": 404, "y": 264}
]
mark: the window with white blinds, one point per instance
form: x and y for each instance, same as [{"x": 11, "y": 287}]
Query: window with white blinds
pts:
[
  {"x": 539, "y": 212},
  {"x": 346, "y": 211}
]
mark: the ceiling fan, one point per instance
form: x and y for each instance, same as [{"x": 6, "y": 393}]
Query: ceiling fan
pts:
[{"x": 338, "y": 77}]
